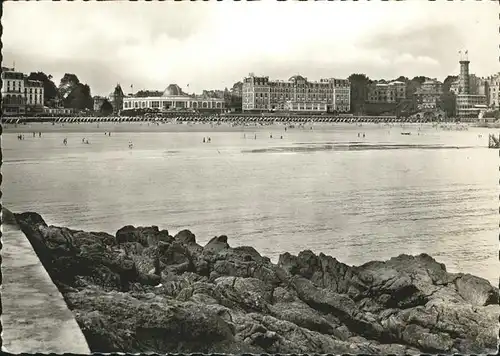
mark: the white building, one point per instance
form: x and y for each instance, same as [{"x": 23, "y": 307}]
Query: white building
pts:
[
  {"x": 20, "y": 95},
  {"x": 33, "y": 92},
  {"x": 13, "y": 100},
  {"x": 428, "y": 94},
  {"x": 469, "y": 105},
  {"x": 493, "y": 91},
  {"x": 173, "y": 98}
]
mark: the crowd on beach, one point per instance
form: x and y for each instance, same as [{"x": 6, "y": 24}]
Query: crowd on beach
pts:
[{"x": 21, "y": 136}]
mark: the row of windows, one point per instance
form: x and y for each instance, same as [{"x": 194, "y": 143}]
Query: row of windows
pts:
[
  {"x": 167, "y": 104},
  {"x": 313, "y": 95},
  {"x": 19, "y": 90},
  {"x": 34, "y": 98},
  {"x": 300, "y": 84},
  {"x": 19, "y": 99},
  {"x": 15, "y": 83},
  {"x": 298, "y": 90},
  {"x": 292, "y": 92}
]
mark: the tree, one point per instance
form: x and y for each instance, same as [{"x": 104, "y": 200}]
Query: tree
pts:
[
  {"x": 413, "y": 85},
  {"x": 420, "y": 79},
  {"x": 447, "y": 103},
  {"x": 401, "y": 79},
  {"x": 106, "y": 108},
  {"x": 79, "y": 98},
  {"x": 448, "y": 81},
  {"x": 146, "y": 93},
  {"x": 359, "y": 91},
  {"x": 68, "y": 82},
  {"x": 49, "y": 88}
]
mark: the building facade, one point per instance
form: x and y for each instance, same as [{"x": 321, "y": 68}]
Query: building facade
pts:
[
  {"x": 469, "y": 105},
  {"x": 297, "y": 94},
  {"x": 116, "y": 99},
  {"x": 98, "y": 101},
  {"x": 470, "y": 91},
  {"x": 20, "y": 95},
  {"x": 173, "y": 98},
  {"x": 33, "y": 91},
  {"x": 392, "y": 92},
  {"x": 429, "y": 94},
  {"x": 493, "y": 91},
  {"x": 13, "y": 99}
]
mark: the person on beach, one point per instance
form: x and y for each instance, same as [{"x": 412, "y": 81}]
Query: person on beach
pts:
[
  {"x": 33, "y": 134},
  {"x": 255, "y": 137},
  {"x": 203, "y": 139},
  {"x": 83, "y": 140},
  {"x": 39, "y": 134},
  {"x": 270, "y": 135},
  {"x": 209, "y": 140},
  {"x": 363, "y": 135},
  {"x": 65, "y": 141}
]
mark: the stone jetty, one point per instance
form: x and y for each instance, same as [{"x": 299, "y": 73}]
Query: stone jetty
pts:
[
  {"x": 144, "y": 290},
  {"x": 35, "y": 317}
]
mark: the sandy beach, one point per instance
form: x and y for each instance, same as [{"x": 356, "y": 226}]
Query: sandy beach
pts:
[{"x": 181, "y": 127}]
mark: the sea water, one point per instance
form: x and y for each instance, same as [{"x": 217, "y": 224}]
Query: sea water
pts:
[{"x": 326, "y": 189}]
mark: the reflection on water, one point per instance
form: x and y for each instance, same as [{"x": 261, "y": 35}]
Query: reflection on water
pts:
[{"x": 357, "y": 199}]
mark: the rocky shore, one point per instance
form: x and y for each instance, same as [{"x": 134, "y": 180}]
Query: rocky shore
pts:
[{"x": 144, "y": 290}]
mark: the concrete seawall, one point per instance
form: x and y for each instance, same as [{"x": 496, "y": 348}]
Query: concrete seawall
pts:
[{"x": 35, "y": 317}]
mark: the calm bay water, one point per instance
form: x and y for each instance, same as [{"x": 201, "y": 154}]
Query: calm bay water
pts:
[{"x": 326, "y": 190}]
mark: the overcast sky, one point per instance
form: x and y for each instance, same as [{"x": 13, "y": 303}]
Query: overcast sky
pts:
[{"x": 211, "y": 45}]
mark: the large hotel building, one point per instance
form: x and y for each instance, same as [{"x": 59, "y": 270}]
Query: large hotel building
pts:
[{"x": 297, "y": 95}]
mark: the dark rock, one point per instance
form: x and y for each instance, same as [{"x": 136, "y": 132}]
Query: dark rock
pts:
[
  {"x": 186, "y": 237},
  {"x": 476, "y": 290},
  {"x": 216, "y": 244},
  {"x": 146, "y": 291},
  {"x": 146, "y": 236}
]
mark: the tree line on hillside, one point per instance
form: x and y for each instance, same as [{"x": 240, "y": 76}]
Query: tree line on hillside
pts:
[{"x": 71, "y": 93}]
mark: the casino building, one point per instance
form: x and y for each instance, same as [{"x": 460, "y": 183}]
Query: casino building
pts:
[
  {"x": 173, "y": 98},
  {"x": 296, "y": 94}
]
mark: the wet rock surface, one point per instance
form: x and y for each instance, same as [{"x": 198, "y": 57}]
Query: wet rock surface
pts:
[{"x": 144, "y": 290}]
